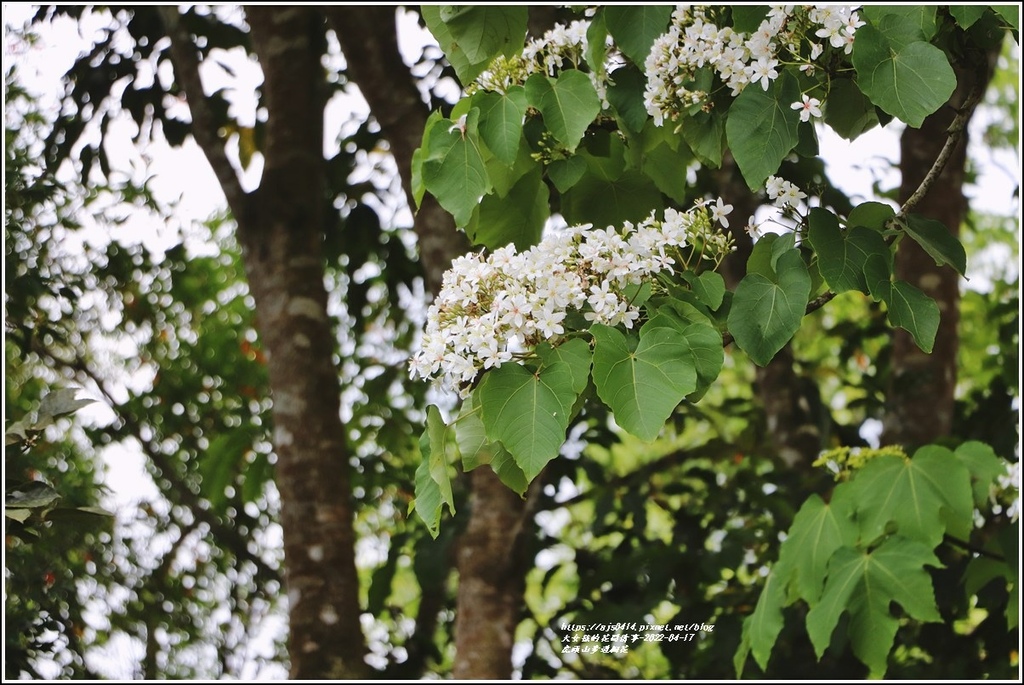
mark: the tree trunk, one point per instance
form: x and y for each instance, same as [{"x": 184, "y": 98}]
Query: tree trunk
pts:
[
  {"x": 490, "y": 588},
  {"x": 921, "y": 397},
  {"x": 281, "y": 236}
]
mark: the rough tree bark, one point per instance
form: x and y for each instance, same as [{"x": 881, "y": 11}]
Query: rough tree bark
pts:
[
  {"x": 279, "y": 228},
  {"x": 490, "y": 587},
  {"x": 921, "y": 396}
]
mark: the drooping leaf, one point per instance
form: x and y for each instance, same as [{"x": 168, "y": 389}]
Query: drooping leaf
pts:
[
  {"x": 925, "y": 497},
  {"x": 767, "y": 311},
  {"x": 32, "y": 495},
  {"x": 907, "y": 81},
  {"x": 576, "y": 355},
  {"x": 920, "y": 24},
  {"x": 915, "y": 312},
  {"x": 59, "y": 403},
  {"x": 937, "y": 241},
  {"x": 626, "y": 96},
  {"x": 705, "y": 133},
  {"x": 428, "y": 498},
  {"x": 438, "y": 447},
  {"x": 635, "y": 27},
  {"x": 873, "y": 215},
  {"x": 465, "y": 69},
  {"x": 508, "y": 471},
  {"x": 569, "y": 104},
  {"x": 762, "y": 128},
  {"x": 565, "y": 173},
  {"x": 528, "y": 412},
  {"x": 453, "y": 169},
  {"x": 966, "y": 15},
  {"x": 501, "y": 121},
  {"x": 709, "y": 287},
  {"x": 848, "y": 112},
  {"x": 864, "y": 584},
  {"x": 643, "y": 382},
  {"x": 761, "y": 629}
]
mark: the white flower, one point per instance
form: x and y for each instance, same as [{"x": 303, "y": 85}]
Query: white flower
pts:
[
  {"x": 809, "y": 107},
  {"x": 719, "y": 212}
]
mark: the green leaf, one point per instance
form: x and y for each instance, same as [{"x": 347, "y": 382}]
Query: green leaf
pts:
[
  {"x": 465, "y": 69},
  {"x": 508, "y": 471},
  {"x": 864, "y": 584},
  {"x": 626, "y": 96},
  {"x": 848, "y": 111},
  {"x": 667, "y": 168},
  {"x": 1009, "y": 13},
  {"x": 565, "y": 173},
  {"x": 910, "y": 81},
  {"x": 482, "y": 32},
  {"x": 19, "y": 515},
  {"x": 642, "y": 383},
  {"x": 925, "y": 497},
  {"x": 58, "y": 403},
  {"x": 920, "y": 24},
  {"x": 984, "y": 466},
  {"x": 767, "y": 310},
  {"x": 438, "y": 447},
  {"x": 635, "y": 27},
  {"x": 528, "y": 412},
  {"x": 32, "y": 495},
  {"x": 761, "y": 629},
  {"x": 873, "y": 215},
  {"x": 937, "y": 241},
  {"x": 517, "y": 218},
  {"x": 576, "y": 355},
  {"x": 453, "y": 170},
  {"x": 966, "y": 15},
  {"x": 818, "y": 530},
  {"x": 747, "y": 18},
  {"x": 501, "y": 121},
  {"x": 503, "y": 177},
  {"x": 631, "y": 197},
  {"x": 709, "y": 287},
  {"x": 762, "y": 128},
  {"x": 704, "y": 133},
  {"x": 568, "y": 104},
  {"x": 428, "y": 498},
  {"x": 843, "y": 254},
  {"x": 704, "y": 340},
  {"x": 915, "y": 312}
]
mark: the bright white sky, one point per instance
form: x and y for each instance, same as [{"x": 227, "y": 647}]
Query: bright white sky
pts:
[{"x": 184, "y": 175}]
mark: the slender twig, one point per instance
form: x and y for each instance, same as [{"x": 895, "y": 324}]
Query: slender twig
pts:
[
  {"x": 957, "y": 542},
  {"x": 204, "y": 126}
]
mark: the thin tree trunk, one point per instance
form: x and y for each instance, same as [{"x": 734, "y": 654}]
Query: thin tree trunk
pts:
[
  {"x": 921, "y": 397},
  {"x": 490, "y": 588},
  {"x": 281, "y": 236}
]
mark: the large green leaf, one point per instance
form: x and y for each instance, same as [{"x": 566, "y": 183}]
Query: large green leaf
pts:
[
  {"x": 501, "y": 121},
  {"x": 517, "y": 218},
  {"x": 569, "y": 104},
  {"x": 634, "y": 27},
  {"x": 453, "y": 169},
  {"x": 925, "y": 497},
  {"x": 709, "y": 287},
  {"x": 966, "y": 15},
  {"x": 643, "y": 381},
  {"x": 767, "y": 310},
  {"x": 843, "y": 254},
  {"x": 937, "y": 241},
  {"x": 482, "y": 32},
  {"x": 705, "y": 133},
  {"x": 626, "y": 96},
  {"x": 595, "y": 200},
  {"x": 762, "y": 128},
  {"x": 428, "y": 498},
  {"x": 907, "y": 81},
  {"x": 920, "y": 24},
  {"x": 865, "y": 584},
  {"x": 818, "y": 530},
  {"x": 576, "y": 354},
  {"x": 528, "y": 412},
  {"x": 439, "y": 449}
]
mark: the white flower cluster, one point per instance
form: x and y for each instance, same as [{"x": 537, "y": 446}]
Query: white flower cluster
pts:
[
  {"x": 788, "y": 34},
  {"x": 495, "y": 309},
  {"x": 783, "y": 193}
]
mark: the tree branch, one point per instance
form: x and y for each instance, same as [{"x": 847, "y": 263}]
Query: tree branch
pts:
[{"x": 204, "y": 126}]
